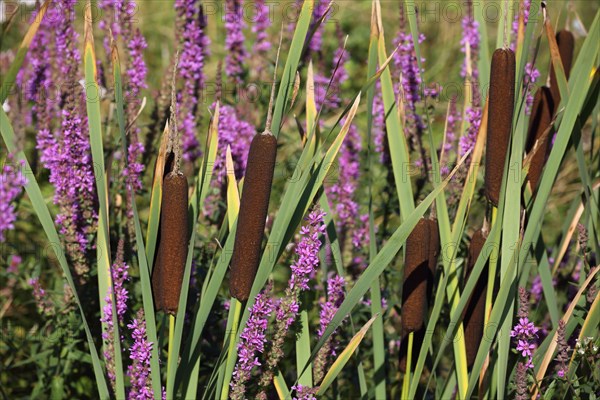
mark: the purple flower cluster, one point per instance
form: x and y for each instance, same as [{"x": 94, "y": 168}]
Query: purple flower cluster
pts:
[
  {"x": 120, "y": 274},
  {"x": 531, "y": 76},
  {"x": 260, "y": 27},
  {"x": 562, "y": 357},
  {"x": 342, "y": 192},
  {"x": 317, "y": 39},
  {"x": 379, "y": 127},
  {"x": 335, "y": 296},
  {"x": 43, "y": 302},
  {"x": 405, "y": 60},
  {"x": 471, "y": 40},
  {"x": 11, "y": 185},
  {"x": 467, "y": 141},
  {"x": 66, "y": 152},
  {"x": 307, "y": 252},
  {"x": 524, "y": 332},
  {"x": 236, "y": 133},
  {"x": 523, "y": 12},
  {"x": 136, "y": 79},
  {"x": 304, "y": 392},
  {"x": 139, "y": 353},
  {"x": 234, "y": 41},
  {"x": 194, "y": 44},
  {"x": 252, "y": 341}
]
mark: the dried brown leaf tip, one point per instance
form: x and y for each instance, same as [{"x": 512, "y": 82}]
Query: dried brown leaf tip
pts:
[
  {"x": 539, "y": 131},
  {"x": 566, "y": 46},
  {"x": 173, "y": 247},
  {"x": 501, "y": 105},
  {"x": 474, "y": 314}
]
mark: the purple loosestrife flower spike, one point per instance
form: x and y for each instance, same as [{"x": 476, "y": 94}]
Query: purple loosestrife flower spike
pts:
[
  {"x": 305, "y": 392},
  {"x": 307, "y": 252},
  {"x": 45, "y": 306},
  {"x": 531, "y": 73},
  {"x": 66, "y": 153},
  {"x": 260, "y": 27},
  {"x": 139, "y": 353},
  {"x": 136, "y": 81},
  {"x": 335, "y": 297},
  {"x": 471, "y": 39},
  {"x": 11, "y": 185},
  {"x": 524, "y": 332},
  {"x": 467, "y": 141},
  {"x": 238, "y": 134},
  {"x": 317, "y": 39},
  {"x": 252, "y": 341},
  {"x": 562, "y": 357},
  {"x": 234, "y": 41},
  {"x": 119, "y": 273},
  {"x": 194, "y": 44},
  {"x": 522, "y": 393}
]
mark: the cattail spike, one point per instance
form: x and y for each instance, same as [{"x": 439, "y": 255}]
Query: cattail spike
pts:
[
  {"x": 566, "y": 44},
  {"x": 416, "y": 272},
  {"x": 474, "y": 314},
  {"x": 434, "y": 252},
  {"x": 254, "y": 206},
  {"x": 540, "y": 120},
  {"x": 173, "y": 247},
  {"x": 501, "y": 104}
]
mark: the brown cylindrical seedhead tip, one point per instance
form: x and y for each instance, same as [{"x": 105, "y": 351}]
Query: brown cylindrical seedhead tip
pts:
[
  {"x": 474, "y": 314},
  {"x": 173, "y": 248},
  {"x": 434, "y": 252},
  {"x": 416, "y": 272},
  {"x": 254, "y": 206},
  {"x": 566, "y": 45},
  {"x": 540, "y": 120},
  {"x": 501, "y": 104}
]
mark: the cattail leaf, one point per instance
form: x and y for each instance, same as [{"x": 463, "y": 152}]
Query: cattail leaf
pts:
[
  {"x": 343, "y": 358},
  {"x": 233, "y": 196},
  {"x": 119, "y": 375},
  {"x": 285, "y": 91},
  {"x": 11, "y": 76},
  {"x": 558, "y": 69},
  {"x": 281, "y": 387},
  {"x": 43, "y": 213},
  {"x": 156, "y": 197},
  {"x": 303, "y": 351},
  {"x": 549, "y": 356},
  {"x": 379, "y": 349},
  {"x": 395, "y": 134},
  {"x": 311, "y": 110}
]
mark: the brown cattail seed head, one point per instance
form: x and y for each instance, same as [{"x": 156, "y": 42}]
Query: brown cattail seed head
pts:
[
  {"x": 566, "y": 45},
  {"x": 474, "y": 314},
  {"x": 540, "y": 120},
  {"x": 501, "y": 104},
  {"x": 173, "y": 248},
  {"x": 254, "y": 206},
  {"x": 416, "y": 272},
  {"x": 434, "y": 252}
]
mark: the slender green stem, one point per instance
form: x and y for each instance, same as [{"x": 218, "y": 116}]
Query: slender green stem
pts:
[
  {"x": 406, "y": 382},
  {"x": 231, "y": 355},
  {"x": 171, "y": 335}
]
